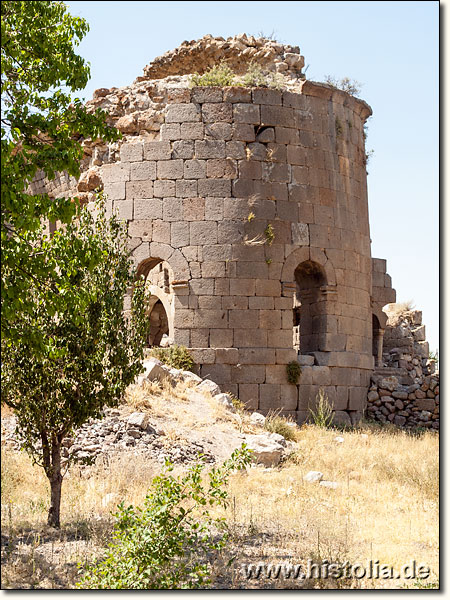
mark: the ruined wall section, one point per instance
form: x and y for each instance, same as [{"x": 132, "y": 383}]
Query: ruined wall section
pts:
[
  {"x": 234, "y": 188},
  {"x": 197, "y": 56},
  {"x": 230, "y": 162},
  {"x": 382, "y": 290},
  {"x": 405, "y": 388}
]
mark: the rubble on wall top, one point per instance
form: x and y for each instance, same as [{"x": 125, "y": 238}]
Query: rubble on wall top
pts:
[
  {"x": 197, "y": 56},
  {"x": 139, "y": 109}
]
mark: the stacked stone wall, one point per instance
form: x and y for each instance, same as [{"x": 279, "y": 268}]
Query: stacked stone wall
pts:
[
  {"x": 234, "y": 189},
  {"x": 229, "y": 163},
  {"x": 405, "y": 388}
]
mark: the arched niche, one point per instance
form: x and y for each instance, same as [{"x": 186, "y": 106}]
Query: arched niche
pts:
[
  {"x": 379, "y": 320},
  {"x": 308, "y": 312}
]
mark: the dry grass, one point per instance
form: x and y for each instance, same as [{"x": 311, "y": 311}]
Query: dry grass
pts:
[
  {"x": 385, "y": 508},
  {"x": 275, "y": 423},
  {"x": 157, "y": 398},
  {"x": 89, "y": 497},
  {"x": 396, "y": 310}
]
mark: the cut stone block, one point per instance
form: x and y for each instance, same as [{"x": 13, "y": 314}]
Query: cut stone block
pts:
[{"x": 209, "y": 386}]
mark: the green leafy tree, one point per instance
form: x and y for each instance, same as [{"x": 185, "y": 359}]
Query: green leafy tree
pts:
[
  {"x": 93, "y": 349},
  {"x": 165, "y": 544},
  {"x": 42, "y": 129}
]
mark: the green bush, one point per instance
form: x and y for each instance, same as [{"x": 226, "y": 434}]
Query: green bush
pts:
[
  {"x": 351, "y": 86},
  {"x": 278, "y": 424},
  {"x": 222, "y": 75},
  {"x": 256, "y": 77},
  {"x": 322, "y": 416},
  {"x": 293, "y": 370},
  {"x": 219, "y": 75},
  {"x": 167, "y": 543},
  {"x": 174, "y": 356},
  {"x": 270, "y": 234}
]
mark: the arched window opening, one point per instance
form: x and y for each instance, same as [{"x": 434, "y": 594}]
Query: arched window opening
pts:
[{"x": 308, "y": 309}]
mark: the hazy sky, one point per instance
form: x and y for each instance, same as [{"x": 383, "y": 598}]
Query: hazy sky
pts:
[{"x": 392, "y": 48}]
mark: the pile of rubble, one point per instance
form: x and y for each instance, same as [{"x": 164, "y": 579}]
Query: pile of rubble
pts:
[
  {"x": 116, "y": 432},
  {"x": 405, "y": 390},
  {"x": 197, "y": 56},
  {"x": 142, "y": 434}
]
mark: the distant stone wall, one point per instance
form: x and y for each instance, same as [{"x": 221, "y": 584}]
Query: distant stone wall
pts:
[{"x": 405, "y": 389}]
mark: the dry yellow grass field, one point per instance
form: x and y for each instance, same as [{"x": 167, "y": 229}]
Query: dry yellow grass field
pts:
[{"x": 385, "y": 508}]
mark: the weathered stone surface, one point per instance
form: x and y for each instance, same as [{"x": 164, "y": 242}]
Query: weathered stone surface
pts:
[
  {"x": 305, "y": 360},
  {"x": 240, "y": 200},
  {"x": 209, "y": 386},
  {"x": 332, "y": 485},
  {"x": 265, "y": 450},
  {"x": 389, "y": 383},
  {"x": 225, "y": 400},
  {"x": 409, "y": 404},
  {"x": 138, "y": 419},
  {"x": 300, "y": 234},
  {"x": 155, "y": 370},
  {"x": 257, "y": 419},
  {"x": 313, "y": 476}
]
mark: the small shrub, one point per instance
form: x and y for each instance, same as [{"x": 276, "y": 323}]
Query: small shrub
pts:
[
  {"x": 256, "y": 77},
  {"x": 338, "y": 127},
  {"x": 167, "y": 543},
  {"x": 351, "y": 86},
  {"x": 174, "y": 356},
  {"x": 322, "y": 415},
  {"x": 367, "y": 156},
  {"x": 271, "y": 36},
  {"x": 270, "y": 234},
  {"x": 434, "y": 356},
  {"x": 238, "y": 404},
  {"x": 219, "y": 75},
  {"x": 275, "y": 423},
  {"x": 293, "y": 370}
]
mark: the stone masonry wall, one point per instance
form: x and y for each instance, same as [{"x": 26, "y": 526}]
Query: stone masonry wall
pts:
[
  {"x": 405, "y": 388},
  {"x": 256, "y": 200}
]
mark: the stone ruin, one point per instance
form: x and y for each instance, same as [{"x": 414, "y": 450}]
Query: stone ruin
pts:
[
  {"x": 248, "y": 215},
  {"x": 405, "y": 386}
]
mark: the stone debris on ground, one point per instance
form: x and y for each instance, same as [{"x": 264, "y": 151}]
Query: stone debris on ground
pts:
[
  {"x": 142, "y": 434},
  {"x": 332, "y": 485},
  {"x": 313, "y": 476},
  {"x": 257, "y": 419}
]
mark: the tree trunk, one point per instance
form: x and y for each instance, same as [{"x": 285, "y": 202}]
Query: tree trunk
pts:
[{"x": 55, "y": 488}]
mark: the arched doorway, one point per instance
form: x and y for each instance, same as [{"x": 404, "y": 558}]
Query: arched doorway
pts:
[
  {"x": 310, "y": 278},
  {"x": 159, "y": 323}
]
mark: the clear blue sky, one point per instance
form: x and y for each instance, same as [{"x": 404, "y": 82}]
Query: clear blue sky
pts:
[{"x": 392, "y": 48}]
